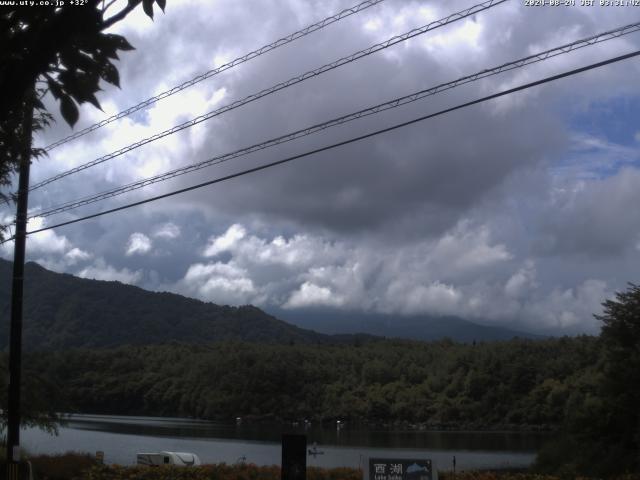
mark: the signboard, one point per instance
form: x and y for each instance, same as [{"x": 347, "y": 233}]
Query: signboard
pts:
[
  {"x": 294, "y": 457},
  {"x": 399, "y": 469}
]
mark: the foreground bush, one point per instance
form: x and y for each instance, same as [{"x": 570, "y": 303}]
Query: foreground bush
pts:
[
  {"x": 211, "y": 472},
  {"x": 508, "y": 475},
  {"x": 66, "y": 466},
  {"x": 499, "y": 475},
  {"x": 61, "y": 467}
]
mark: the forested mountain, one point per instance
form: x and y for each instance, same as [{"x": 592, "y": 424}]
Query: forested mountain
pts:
[
  {"x": 62, "y": 311},
  {"x": 512, "y": 384},
  {"x": 410, "y": 327}
]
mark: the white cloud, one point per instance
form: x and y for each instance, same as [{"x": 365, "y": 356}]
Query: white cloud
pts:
[
  {"x": 373, "y": 24},
  {"x": 167, "y": 231},
  {"x": 100, "y": 270},
  {"x": 590, "y": 156},
  {"x": 310, "y": 295},
  {"x": 45, "y": 245},
  {"x": 463, "y": 36},
  {"x": 49, "y": 249},
  {"x": 594, "y": 217},
  {"x": 300, "y": 251},
  {"x": 432, "y": 298},
  {"x": 467, "y": 249},
  {"x": 45, "y": 242},
  {"x": 225, "y": 241},
  {"x": 76, "y": 255},
  {"x": 463, "y": 273},
  {"x": 449, "y": 275},
  {"x": 139, "y": 244},
  {"x": 218, "y": 282},
  {"x": 521, "y": 281},
  {"x": 570, "y": 307}
]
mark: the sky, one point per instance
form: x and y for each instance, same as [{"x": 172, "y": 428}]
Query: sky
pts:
[{"x": 518, "y": 212}]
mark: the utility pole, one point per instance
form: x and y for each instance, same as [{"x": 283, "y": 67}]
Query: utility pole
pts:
[{"x": 15, "y": 339}]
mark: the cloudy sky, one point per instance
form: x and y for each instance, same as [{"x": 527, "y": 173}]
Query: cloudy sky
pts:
[{"x": 521, "y": 211}]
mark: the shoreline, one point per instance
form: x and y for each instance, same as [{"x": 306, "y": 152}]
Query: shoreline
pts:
[{"x": 388, "y": 425}]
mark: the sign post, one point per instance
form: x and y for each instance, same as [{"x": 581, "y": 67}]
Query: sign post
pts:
[
  {"x": 294, "y": 457},
  {"x": 399, "y": 469}
]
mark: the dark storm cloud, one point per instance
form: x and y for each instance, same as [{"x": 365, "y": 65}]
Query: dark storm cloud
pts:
[
  {"x": 458, "y": 215},
  {"x": 444, "y": 165}
]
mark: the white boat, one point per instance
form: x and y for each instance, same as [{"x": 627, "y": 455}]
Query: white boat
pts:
[{"x": 182, "y": 459}]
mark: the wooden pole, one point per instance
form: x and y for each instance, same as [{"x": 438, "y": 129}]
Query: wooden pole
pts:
[{"x": 15, "y": 339}]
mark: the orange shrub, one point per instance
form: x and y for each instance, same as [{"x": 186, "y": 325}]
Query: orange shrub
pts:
[
  {"x": 61, "y": 467},
  {"x": 212, "y": 472}
]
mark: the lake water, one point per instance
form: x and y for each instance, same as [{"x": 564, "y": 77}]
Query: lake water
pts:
[{"x": 120, "y": 438}]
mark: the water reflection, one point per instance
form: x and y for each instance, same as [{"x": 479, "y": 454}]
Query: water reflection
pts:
[
  {"x": 122, "y": 437},
  {"x": 327, "y": 434}
]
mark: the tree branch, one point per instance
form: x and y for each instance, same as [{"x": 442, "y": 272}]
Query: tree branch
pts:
[
  {"x": 119, "y": 16},
  {"x": 105, "y": 8}
]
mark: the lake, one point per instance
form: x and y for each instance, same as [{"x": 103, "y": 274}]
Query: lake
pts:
[{"x": 121, "y": 437}]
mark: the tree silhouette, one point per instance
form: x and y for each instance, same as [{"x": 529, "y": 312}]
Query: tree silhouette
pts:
[
  {"x": 621, "y": 380},
  {"x": 64, "y": 51},
  {"x": 602, "y": 417}
]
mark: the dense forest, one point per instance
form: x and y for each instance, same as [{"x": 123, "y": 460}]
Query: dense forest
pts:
[{"x": 515, "y": 384}]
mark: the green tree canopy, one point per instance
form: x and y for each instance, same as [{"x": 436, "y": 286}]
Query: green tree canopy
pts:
[
  {"x": 602, "y": 416},
  {"x": 621, "y": 380}
]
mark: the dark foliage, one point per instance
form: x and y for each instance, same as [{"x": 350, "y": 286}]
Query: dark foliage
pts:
[
  {"x": 64, "y": 51},
  {"x": 65, "y": 466},
  {"x": 439, "y": 384},
  {"x": 602, "y": 429},
  {"x": 618, "y": 430}
]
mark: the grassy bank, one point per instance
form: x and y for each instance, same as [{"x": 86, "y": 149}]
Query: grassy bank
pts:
[
  {"x": 510, "y": 475},
  {"x": 77, "y": 466},
  {"x": 66, "y": 466},
  {"x": 213, "y": 472}
]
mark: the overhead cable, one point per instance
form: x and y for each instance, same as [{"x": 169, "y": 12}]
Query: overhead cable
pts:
[
  {"x": 339, "y": 144},
  {"x": 522, "y": 62},
  {"x": 280, "y": 86},
  {"x": 245, "y": 58}
]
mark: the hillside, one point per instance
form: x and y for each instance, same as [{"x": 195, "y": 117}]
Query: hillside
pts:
[
  {"x": 62, "y": 311},
  {"x": 415, "y": 327}
]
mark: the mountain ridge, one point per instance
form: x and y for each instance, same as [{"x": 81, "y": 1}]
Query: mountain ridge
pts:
[
  {"x": 63, "y": 311},
  {"x": 409, "y": 327}
]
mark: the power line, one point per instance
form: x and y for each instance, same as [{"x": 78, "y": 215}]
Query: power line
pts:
[
  {"x": 531, "y": 59},
  {"x": 345, "y": 142},
  {"x": 280, "y": 86},
  {"x": 245, "y": 58}
]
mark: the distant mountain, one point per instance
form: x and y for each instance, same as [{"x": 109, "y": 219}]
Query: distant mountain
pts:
[
  {"x": 423, "y": 327},
  {"x": 62, "y": 311}
]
